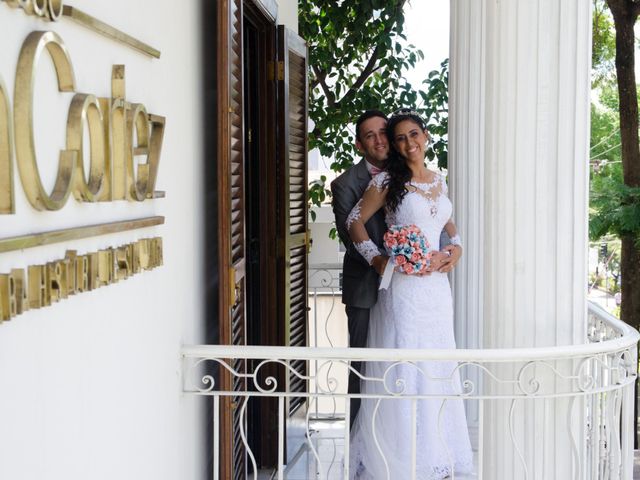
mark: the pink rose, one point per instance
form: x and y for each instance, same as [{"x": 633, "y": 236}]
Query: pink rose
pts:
[
  {"x": 415, "y": 256},
  {"x": 400, "y": 260},
  {"x": 408, "y": 268}
]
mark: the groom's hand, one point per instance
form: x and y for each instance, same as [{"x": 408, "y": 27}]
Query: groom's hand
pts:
[
  {"x": 437, "y": 261},
  {"x": 452, "y": 255},
  {"x": 379, "y": 263}
]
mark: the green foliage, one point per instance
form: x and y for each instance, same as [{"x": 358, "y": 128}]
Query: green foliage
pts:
[
  {"x": 358, "y": 55},
  {"x": 603, "y": 49},
  {"x": 614, "y": 206},
  {"x": 317, "y": 194},
  {"x": 605, "y": 128}
]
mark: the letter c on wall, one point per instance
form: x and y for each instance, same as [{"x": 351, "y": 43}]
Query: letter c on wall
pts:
[
  {"x": 7, "y": 205},
  {"x": 31, "y": 50}
]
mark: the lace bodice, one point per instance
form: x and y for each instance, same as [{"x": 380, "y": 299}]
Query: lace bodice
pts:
[{"x": 425, "y": 205}]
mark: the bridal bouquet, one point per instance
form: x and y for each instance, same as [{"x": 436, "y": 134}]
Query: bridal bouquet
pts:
[{"x": 409, "y": 249}]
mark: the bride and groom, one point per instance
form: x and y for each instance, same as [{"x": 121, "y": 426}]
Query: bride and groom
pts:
[{"x": 392, "y": 187}]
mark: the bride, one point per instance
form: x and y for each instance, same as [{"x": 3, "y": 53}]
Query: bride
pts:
[{"x": 414, "y": 312}]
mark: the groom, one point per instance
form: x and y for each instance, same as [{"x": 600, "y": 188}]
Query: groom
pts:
[{"x": 359, "y": 280}]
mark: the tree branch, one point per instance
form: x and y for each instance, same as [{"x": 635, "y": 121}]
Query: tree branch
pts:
[
  {"x": 371, "y": 64},
  {"x": 321, "y": 78},
  {"x": 366, "y": 73}
]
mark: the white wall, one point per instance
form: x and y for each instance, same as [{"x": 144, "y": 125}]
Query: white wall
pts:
[
  {"x": 90, "y": 388},
  {"x": 288, "y": 14},
  {"x": 323, "y": 249}
]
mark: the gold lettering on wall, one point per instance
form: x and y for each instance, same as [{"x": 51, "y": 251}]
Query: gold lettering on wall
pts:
[
  {"x": 155, "y": 148},
  {"x": 20, "y": 291},
  {"x": 57, "y": 281},
  {"x": 47, "y": 9},
  {"x": 7, "y": 204},
  {"x": 93, "y": 270},
  {"x": 52, "y": 10},
  {"x": 118, "y": 118},
  {"x": 137, "y": 128},
  {"x": 82, "y": 272},
  {"x": 125, "y": 140},
  {"x": 105, "y": 267},
  {"x": 124, "y": 148},
  {"x": 86, "y": 110},
  {"x": 41, "y": 285},
  {"x": 5, "y": 295},
  {"x": 124, "y": 257},
  {"x": 38, "y": 293},
  {"x": 30, "y": 53}
]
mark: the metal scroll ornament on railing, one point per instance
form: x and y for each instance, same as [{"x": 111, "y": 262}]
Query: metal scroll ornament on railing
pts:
[{"x": 594, "y": 380}]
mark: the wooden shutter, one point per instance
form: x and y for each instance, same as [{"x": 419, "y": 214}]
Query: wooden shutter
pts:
[
  {"x": 231, "y": 218},
  {"x": 293, "y": 229}
]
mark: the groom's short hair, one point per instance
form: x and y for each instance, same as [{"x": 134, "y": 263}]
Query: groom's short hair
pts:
[{"x": 366, "y": 116}]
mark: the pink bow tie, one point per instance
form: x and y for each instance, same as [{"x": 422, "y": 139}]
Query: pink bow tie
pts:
[{"x": 375, "y": 171}]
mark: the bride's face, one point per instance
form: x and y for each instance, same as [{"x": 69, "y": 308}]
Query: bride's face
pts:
[{"x": 410, "y": 140}]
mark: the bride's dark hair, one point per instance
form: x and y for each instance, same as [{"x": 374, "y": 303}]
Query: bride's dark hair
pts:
[{"x": 396, "y": 166}]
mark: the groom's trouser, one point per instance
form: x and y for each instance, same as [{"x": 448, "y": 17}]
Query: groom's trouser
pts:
[{"x": 358, "y": 321}]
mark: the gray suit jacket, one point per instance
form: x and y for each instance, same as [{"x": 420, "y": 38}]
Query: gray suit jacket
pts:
[{"x": 359, "y": 280}]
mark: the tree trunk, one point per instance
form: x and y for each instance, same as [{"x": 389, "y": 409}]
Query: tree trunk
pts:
[
  {"x": 625, "y": 13},
  {"x": 630, "y": 286}
]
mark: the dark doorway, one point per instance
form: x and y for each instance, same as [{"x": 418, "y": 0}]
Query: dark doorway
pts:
[
  {"x": 260, "y": 233},
  {"x": 253, "y": 182}
]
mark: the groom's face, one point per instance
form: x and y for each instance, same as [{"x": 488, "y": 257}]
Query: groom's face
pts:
[{"x": 373, "y": 143}]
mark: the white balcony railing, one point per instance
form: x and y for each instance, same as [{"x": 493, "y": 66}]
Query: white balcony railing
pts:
[{"x": 597, "y": 378}]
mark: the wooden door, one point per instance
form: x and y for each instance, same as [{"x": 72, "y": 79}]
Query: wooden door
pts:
[
  {"x": 293, "y": 235},
  {"x": 231, "y": 228},
  {"x": 282, "y": 154}
]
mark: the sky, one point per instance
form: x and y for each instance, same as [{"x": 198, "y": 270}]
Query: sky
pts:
[{"x": 427, "y": 27}]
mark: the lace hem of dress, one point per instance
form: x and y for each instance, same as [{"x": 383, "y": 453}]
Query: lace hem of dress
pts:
[
  {"x": 368, "y": 250},
  {"x": 438, "y": 472}
]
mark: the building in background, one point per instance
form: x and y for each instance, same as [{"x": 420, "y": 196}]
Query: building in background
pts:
[{"x": 92, "y": 383}]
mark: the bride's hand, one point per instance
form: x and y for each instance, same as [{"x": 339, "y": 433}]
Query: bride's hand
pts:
[
  {"x": 379, "y": 263},
  {"x": 453, "y": 254}
]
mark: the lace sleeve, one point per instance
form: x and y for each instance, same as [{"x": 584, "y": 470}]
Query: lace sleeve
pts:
[
  {"x": 354, "y": 214},
  {"x": 368, "y": 250},
  {"x": 379, "y": 182},
  {"x": 372, "y": 200}
]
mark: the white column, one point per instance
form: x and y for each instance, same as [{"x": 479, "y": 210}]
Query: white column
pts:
[{"x": 519, "y": 140}]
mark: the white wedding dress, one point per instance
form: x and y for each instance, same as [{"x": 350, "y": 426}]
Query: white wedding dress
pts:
[{"x": 415, "y": 312}]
